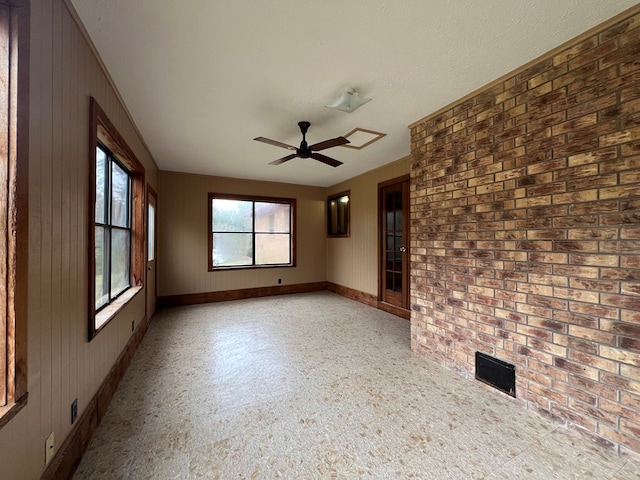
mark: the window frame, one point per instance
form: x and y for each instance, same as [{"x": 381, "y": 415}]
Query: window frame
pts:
[
  {"x": 336, "y": 198},
  {"x": 104, "y": 132},
  {"x": 109, "y": 225},
  {"x": 14, "y": 146},
  {"x": 250, "y": 198}
]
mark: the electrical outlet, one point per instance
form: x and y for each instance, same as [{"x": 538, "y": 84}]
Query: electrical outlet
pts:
[
  {"x": 74, "y": 411},
  {"x": 49, "y": 449},
  {"x": 279, "y": 281}
]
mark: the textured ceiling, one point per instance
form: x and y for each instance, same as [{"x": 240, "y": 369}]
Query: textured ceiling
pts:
[{"x": 202, "y": 78}]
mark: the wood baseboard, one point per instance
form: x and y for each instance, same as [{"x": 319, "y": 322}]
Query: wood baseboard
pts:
[
  {"x": 65, "y": 462},
  {"x": 353, "y": 294},
  {"x": 226, "y": 295},
  {"x": 398, "y": 311},
  {"x": 368, "y": 299}
]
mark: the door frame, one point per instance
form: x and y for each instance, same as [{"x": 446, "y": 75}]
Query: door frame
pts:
[
  {"x": 396, "y": 310},
  {"x": 151, "y": 194}
]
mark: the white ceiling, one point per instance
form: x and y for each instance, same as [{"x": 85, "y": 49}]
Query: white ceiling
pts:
[{"x": 202, "y": 78}]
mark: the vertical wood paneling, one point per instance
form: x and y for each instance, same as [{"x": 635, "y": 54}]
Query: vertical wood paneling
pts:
[
  {"x": 74, "y": 287},
  {"x": 353, "y": 262},
  {"x": 183, "y": 224},
  {"x": 62, "y": 365},
  {"x": 26, "y": 457},
  {"x": 66, "y": 172},
  {"x": 55, "y": 236},
  {"x": 44, "y": 165}
]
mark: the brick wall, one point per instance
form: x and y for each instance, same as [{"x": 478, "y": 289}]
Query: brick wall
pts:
[{"x": 525, "y": 232}]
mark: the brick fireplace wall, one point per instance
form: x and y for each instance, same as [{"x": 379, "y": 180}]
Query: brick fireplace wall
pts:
[{"x": 525, "y": 232}]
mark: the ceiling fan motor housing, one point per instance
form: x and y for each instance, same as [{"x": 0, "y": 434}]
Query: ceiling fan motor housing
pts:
[
  {"x": 304, "y": 151},
  {"x": 304, "y": 126}
]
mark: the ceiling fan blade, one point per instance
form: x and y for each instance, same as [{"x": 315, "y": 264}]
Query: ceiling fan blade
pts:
[
  {"x": 324, "y": 159},
  {"x": 283, "y": 159},
  {"x": 274, "y": 142},
  {"x": 334, "y": 142}
]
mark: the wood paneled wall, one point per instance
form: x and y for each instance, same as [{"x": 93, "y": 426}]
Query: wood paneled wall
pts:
[
  {"x": 183, "y": 241},
  {"x": 353, "y": 261},
  {"x": 63, "y": 366}
]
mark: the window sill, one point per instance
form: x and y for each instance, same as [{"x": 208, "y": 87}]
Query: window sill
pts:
[
  {"x": 10, "y": 411},
  {"x": 104, "y": 316},
  {"x": 250, "y": 267}
]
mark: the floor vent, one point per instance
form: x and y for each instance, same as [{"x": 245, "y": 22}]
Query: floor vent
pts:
[{"x": 498, "y": 374}]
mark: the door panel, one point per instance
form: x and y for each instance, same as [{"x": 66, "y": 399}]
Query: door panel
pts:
[
  {"x": 152, "y": 244},
  {"x": 393, "y": 198}
]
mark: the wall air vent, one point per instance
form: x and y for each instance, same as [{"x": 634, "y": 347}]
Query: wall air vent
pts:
[{"x": 498, "y": 374}]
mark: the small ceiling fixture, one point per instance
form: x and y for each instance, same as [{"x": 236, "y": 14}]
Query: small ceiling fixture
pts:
[{"x": 348, "y": 101}]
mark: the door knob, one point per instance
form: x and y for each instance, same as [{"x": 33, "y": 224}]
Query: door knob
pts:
[{"x": 403, "y": 249}]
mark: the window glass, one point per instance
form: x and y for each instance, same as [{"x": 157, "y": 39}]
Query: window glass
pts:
[
  {"x": 119, "y": 196},
  {"x": 232, "y": 249},
  {"x": 101, "y": 161},
  {"x": 120, "y": 245},
  {"x": 250, "y": 232},
  {"x": 272, "y": 249},
  {"x": 272, "y": 217},
  {"x": 151, "y": 233},
  {"x": 338, "y": 212},
  {"x": 102, "y": 287},
  {"x": 112, "y": 230},
  {"x": 232, "y": 216}
]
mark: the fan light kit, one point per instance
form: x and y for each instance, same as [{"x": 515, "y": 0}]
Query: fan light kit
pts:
[
  {"x": 306, "y": 151},
  {"x": 348, "y": 101}
]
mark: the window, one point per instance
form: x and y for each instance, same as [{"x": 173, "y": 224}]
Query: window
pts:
[
  {"x": 338, "y": 213},
  {"x": 151, "y": 232},
  {"x": 14, "y": 168},
  {"x": 117, "y": 222},
  {"x": 248, "y": 232},
  {"x": 113, "y": 228}
]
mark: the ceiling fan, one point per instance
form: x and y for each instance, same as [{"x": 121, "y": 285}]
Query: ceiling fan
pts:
[{"x": 307, "y": 151}]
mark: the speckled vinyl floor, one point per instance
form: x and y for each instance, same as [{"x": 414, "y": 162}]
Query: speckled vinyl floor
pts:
[{"x": 317, "y": 386}]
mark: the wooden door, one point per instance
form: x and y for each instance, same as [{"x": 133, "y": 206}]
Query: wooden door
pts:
[
  {"x": 393, "y": 198},
  {"x": 152, "y": 244}
]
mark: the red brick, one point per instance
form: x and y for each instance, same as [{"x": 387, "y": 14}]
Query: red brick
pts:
[
  {"x": 597, "y": 260},
  {"x": 621, "y": 301},
  {"x": 575, "y": 368},
  {"x": 575, "y": 246},
  {"x": 526, "y": 233},
  {"x": 594, "y": 310},
  {"x": 593, "y": 412},
  {"x": 620, "y": 355},
  {"x": 633, "y": 442},
  {"x": 629, "y": 371},
  {"x": 593, "y": 335},
  {"x": 594, "y": 387},
  {"x": 582, "y": 345},
  {"x": 587, "y": 321},
  {"x": 593, "y": 157},
  {"x": 592, "y": 233},
  {"x": 593, "y": 360}
]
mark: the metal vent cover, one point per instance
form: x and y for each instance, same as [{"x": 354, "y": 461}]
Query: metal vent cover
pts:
[{"x": 497, "y": 373}]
